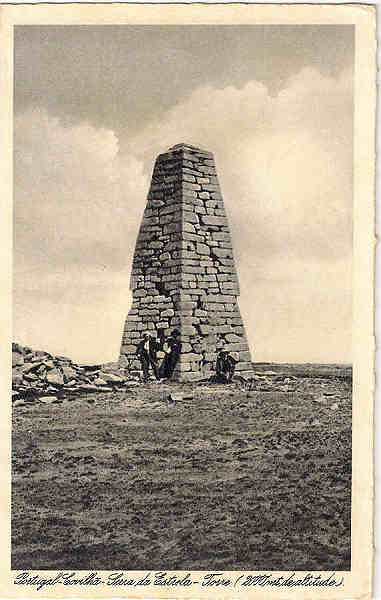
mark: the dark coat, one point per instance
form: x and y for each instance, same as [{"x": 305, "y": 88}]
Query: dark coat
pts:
[
  {"x": 153, "y": 347},
  {"x": 225, "y": 364}
]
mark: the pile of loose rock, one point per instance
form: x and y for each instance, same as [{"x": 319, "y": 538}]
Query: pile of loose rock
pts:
[{"x": 39, "y": 375}]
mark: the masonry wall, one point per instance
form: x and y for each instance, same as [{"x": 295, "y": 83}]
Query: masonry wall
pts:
[{"x": 183, "y": 273}]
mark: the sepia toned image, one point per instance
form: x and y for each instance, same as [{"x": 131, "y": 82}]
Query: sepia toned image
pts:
[
  {"x": 182, "y": 376},
  {"x": 190, "y": 235}
]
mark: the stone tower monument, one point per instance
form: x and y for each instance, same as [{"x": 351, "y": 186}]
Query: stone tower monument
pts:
[{"x": 183, "y": 274}]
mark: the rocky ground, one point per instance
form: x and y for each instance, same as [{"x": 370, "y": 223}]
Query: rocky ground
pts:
[
  {"x": 40, "y": 377},
  {"x": 181, "y": 476}
]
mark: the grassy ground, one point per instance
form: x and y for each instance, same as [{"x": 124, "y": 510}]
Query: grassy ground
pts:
[{"x": 226, "y": 478}]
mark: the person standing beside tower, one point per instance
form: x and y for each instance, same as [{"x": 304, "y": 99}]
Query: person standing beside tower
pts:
[
  {"x": 172, "y": 350},
  {"x": 225, "y": 367},
  {"x": 146, "y": 351}
]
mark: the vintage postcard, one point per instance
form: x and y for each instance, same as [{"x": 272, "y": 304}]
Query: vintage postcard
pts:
[{"x": 187, "y": 261}]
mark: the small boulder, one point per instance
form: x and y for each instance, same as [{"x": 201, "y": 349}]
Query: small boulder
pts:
[
  {"x": 17, "y": 378},
  {"x": 30, "y": 377},
  {"x": 173, "y": 398},
  {"x": 71, "y": 383},
  {"x": 87, "y": 387},
  {"x": 49, "y": 364},
  {"x": 111, "y": 377},
  {"x": 19, "y": 403},
  {"x": 55, "y": 377},
  {"x": 48, "y": 399},
  {"x": 17, "y": 359},
  {"x": 99, "y": 381},
  {"x": 28, "y": 366},
  {"x": 69, "y": 373}
]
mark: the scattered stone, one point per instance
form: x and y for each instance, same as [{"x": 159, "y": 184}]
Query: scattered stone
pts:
[
  {"x": 55, "y": 377},
  {"x": 17, "y": 359},
  {"x": 87, "y": 387},
  {"x": 174, "y": 398},
  {"x": 48, "y": 399},
  {"x": 68, "y": 373},
  {"x": 19, "y": 403},
  {"x": 111, "y": 377}
]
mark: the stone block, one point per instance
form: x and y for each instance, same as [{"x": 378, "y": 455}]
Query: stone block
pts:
[
  {"x": 192, "y": 237},
  {"x": 228, "y": 286},
  {"x": 209, "y": 277},
  {"x": 221, "y": 236},
  {"x": 249, "y": 374},
  {"x": 190, "y": 357},
  {"x": 210, "y": 187},
  {"x": 202, "y": 249},
  {"x": 189, "y": 193},
  {"x": 192, "y": 186},
  {"x": 211, "y": 220},
  {"x": 183, "y": 366},
  {"x": 188, "y": 227},
  {"x": 184, "y": 305},
  {"x": 207, "y": 285},
  {"x": 206, "y": 329},
  {"x": 193, "y": 269},
  {"x": 172, "y": 228},
  {"x": 236, "y": 347},
  {"x": 221, "y": 298},
  {"x": 243, "y": 366},
  {"x": 207, "y": 169},
  {"x": 129, "y": 349},
  {"x": 134, "y": 334},
  {"x": 200, "y": 210},
  {"x": 168, "y": 312},
  {"x": 232, "y": 338},
  {"x": 190, "y": 254},
  {"x": 190, "y": 217},
  {"x": 190, "y": 170},
  {"x": 188, "y": 330},
  {"x": 223, "y": 252},
  {"x": 196, "y": 292}
]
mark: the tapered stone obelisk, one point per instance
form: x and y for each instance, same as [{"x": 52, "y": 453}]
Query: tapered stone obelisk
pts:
[{"x": 183, "y": 274}]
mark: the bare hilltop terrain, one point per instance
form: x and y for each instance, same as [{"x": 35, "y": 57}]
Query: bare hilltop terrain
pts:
[{"x": 110, "y": 473}]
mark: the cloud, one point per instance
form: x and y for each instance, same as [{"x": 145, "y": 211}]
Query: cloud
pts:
[
  {"x": 284, "y": 159},
  {"x": 285, "y": 166},
  {"x": 77, "y": 211},
  {"x": 74, "y": 195}
]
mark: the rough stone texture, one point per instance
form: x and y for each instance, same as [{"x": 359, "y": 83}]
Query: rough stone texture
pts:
[{"x": 183, "y": 273}]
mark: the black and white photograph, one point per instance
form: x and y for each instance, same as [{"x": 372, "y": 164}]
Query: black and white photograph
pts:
[{"x": 183, "y": 297}]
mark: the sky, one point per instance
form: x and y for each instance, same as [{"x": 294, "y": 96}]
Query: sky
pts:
[{"x": 95, "y": 105}]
